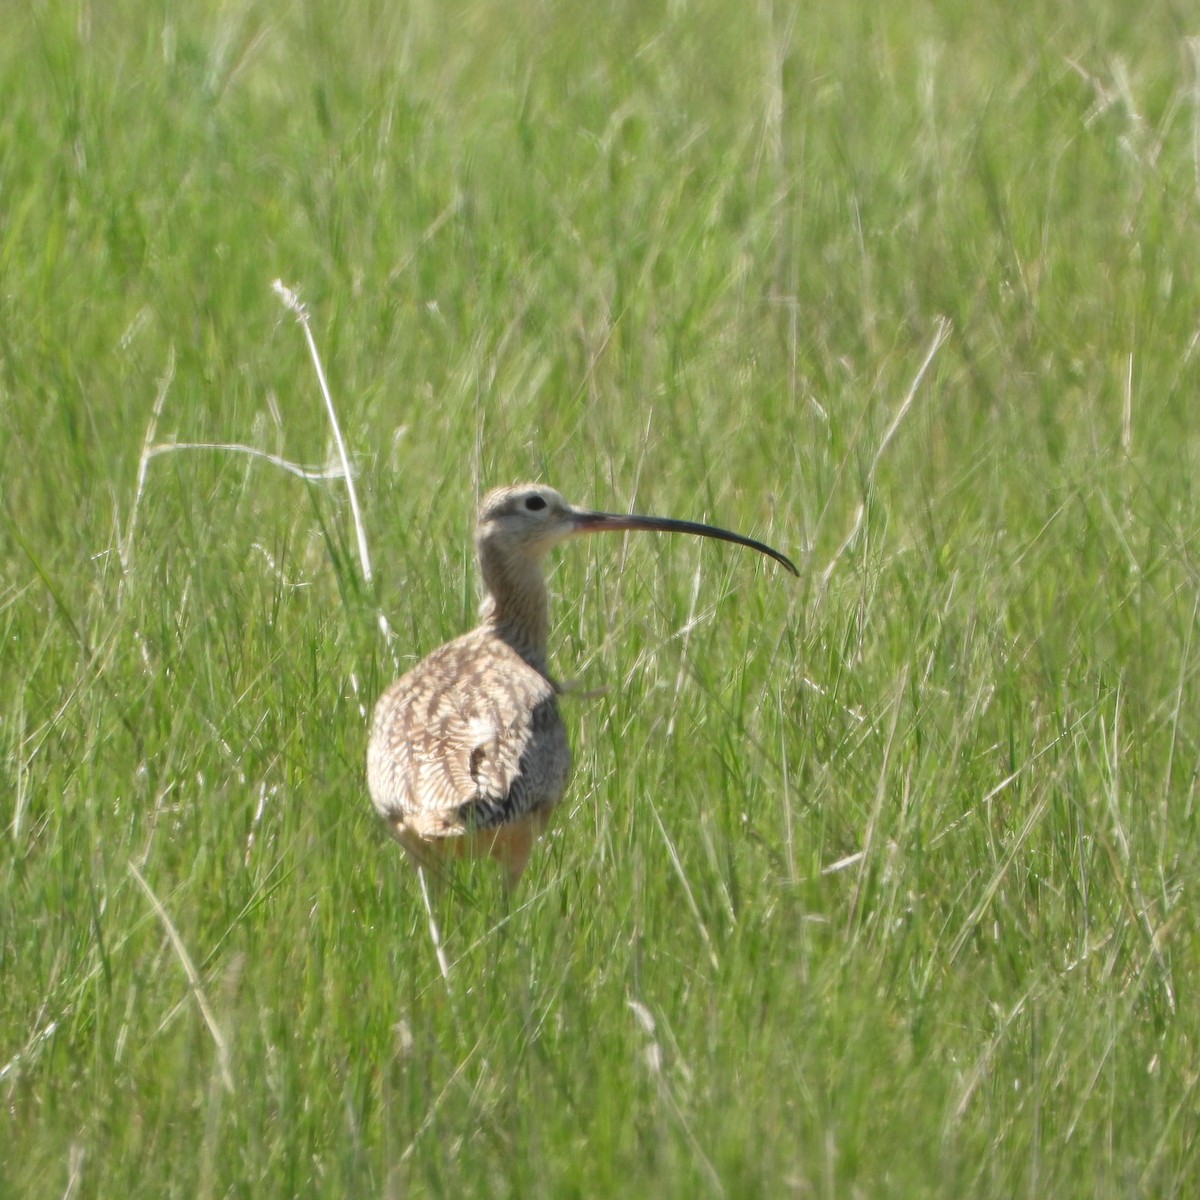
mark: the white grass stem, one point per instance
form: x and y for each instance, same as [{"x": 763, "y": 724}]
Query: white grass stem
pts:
[
  {"x": 193, "y": 977},
  {"x": 1127, "y": 411},
  {"x": 1193, "y": 45},
  {"x": 940, "y": 335},
  {"x": 654, "y": 1063},
  {"x": 291, "y": 301},
  {"x": 317, "y": 474},
  {"x": 687, "y": 887},
  {"x": 983, "y": 1063},
  {"x": 125, "y": 544},
  {"x": 435, "y": 934},
  {"x": 432, "y": 1112},
  {"x": 35, "y": 1041},
  {"x": 681, "y": 674},
  {"x": 75, "y": 1157},
  {"x": 789, "y": 833},
  {"x": 847, "y": 541},
  {"x": 989, "y": 892},
  {"x": 1140, "y": 909},
  {"x": 843, "y": 864},
  {"x": 881, "y": 790},
  {"x": 1012, "y": 777}
]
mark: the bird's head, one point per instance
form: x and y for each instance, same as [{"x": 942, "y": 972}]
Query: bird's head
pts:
[{"x": 528, "y": 520}]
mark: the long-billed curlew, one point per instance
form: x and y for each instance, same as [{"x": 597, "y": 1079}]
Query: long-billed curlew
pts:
[{"x": 468, "y": 754}]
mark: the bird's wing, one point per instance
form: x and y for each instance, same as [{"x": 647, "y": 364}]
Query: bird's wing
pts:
[{"x": 473, "y": 752}]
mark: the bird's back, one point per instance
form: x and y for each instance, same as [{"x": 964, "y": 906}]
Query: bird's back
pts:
[{"x": 468, "y": 751}]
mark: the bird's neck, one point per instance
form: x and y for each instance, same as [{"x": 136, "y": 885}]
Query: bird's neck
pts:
[{"x": 517, "y": 608}]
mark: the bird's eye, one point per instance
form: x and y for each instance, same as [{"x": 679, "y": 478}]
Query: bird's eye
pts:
[{"x": 535, "y": 503}]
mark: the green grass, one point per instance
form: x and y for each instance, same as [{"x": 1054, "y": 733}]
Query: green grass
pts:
[{"x": 882, "y": 883}]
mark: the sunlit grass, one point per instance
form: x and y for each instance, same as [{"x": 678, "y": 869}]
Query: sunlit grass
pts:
[{"x": 871, "y": 883}]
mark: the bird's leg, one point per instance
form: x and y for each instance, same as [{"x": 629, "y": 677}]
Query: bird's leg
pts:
[{"x": 511, "y": 846}]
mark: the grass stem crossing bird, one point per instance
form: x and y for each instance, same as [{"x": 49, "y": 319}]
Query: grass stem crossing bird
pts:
[{"x": 468, "y": 754}]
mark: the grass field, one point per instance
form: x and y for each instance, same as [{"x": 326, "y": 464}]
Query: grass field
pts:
[{"x": 879, "y": 883}]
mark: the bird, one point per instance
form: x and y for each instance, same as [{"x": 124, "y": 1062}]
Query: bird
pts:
[{"x": 468, "y": 754}]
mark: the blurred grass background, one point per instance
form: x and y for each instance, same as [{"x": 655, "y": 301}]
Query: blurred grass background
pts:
[{"x": 875, "y": 884}]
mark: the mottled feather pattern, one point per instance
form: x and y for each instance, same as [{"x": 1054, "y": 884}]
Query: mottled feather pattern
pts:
[{"x": 469, "y": 740}]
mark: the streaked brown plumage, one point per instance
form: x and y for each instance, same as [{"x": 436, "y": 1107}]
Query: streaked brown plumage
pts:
[{"x": 468, "y": 753}]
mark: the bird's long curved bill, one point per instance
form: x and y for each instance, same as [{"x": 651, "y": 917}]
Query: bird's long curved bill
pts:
[{"x": 602, "y": 522}]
